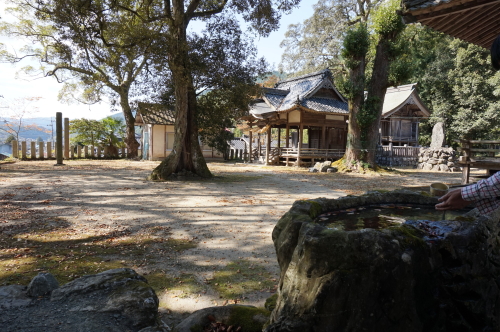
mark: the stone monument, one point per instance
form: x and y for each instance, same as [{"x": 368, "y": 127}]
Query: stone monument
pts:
[{"x": 437, "y": 140}]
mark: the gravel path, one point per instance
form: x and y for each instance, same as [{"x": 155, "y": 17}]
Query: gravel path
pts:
[{"x": 229, "y": 217}]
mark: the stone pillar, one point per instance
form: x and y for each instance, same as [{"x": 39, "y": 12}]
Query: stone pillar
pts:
[
  {"x": 78, "y": 151},
  {"x": 41, "y": 150},
  {"x": 59, "y": 139},
  {"x": 33, "y": 150},
  {"x": 92, "y": 152},
  {"x": 66, "y": 138},
  {"x": 23, "y": 150},
  {"x": 15, "y": 149},
  {"x": 86, "y": 151},
  {"x": 49, "y": 150}
]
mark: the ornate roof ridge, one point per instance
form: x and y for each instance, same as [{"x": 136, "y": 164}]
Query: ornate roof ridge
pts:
[{"x": 298, "y": 78}]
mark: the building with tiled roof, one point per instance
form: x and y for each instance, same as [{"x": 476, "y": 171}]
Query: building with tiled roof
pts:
[
  {"x": 158, "y": 134},
  {"x": 401, "y": 114},
  {"x": 310, "y": 109}
]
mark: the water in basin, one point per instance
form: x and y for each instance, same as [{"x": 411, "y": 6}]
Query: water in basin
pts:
[{"x": 378, "y": 216}]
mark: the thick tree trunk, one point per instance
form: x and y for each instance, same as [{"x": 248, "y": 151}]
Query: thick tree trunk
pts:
[
  {"x": 353, "y": 152},
  {"x": 130, "y": 141},
  {"x": 186, "y": 156},
  {"x": 362, "y": 140}
]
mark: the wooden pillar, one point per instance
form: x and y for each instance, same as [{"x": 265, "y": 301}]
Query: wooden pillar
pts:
[
  {"x": 279, "y": 138},
  {"x": 301, "y": 129},
  {"x": 323, "y": 138},
  {"x": 33, "y": 150},
  {"x": 23, "y": 150},
  {"x": 66, "y": 138},
  {"x": 59, "y": 139},
  {"x": 41, "y": 152},
  {"x": 287, "y": 134},
  {"x": 15, "y": 149},
  {"x": 268, "y": 145},
  {"x": 259, "y": 147},
  {"x": 250, "y": 156}
]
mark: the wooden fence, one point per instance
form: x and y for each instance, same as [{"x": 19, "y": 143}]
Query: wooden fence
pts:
[
  {"x": 46, "y": 150},
  {"x": 388, "y": 155}
]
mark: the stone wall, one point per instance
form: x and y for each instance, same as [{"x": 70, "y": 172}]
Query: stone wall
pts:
[{"x": 440, "y": 159}]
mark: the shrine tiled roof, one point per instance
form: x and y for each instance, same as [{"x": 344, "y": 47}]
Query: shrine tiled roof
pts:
[
  {"x": 299, "y": 91},
  {"x": 155, "y": 114}
]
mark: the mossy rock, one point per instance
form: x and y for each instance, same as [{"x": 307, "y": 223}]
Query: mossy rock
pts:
[{"x": 250, "y": 318}]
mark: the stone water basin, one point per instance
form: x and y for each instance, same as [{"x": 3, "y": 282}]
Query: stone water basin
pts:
[
  {"x": 386, "y": 262},
  {"x": 380, "y": 216}
]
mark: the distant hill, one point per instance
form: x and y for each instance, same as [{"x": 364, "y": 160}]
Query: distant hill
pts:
[{"x": 47, "y": 124}]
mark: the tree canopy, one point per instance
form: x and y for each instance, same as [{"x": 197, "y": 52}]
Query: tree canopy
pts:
[{"x": 90, "y": 46}]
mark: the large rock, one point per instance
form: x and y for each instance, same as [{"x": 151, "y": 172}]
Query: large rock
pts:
[
  {"x": 395, "y": 279},
  {"x": 438, "y": 136},
  {"x": 115, "y": 300},
  {"x": 42, "y": 284},
  {"x": 249, "y": 318}
]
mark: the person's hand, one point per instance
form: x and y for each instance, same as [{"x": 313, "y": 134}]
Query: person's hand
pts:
[{"x": 452, "y": 200}]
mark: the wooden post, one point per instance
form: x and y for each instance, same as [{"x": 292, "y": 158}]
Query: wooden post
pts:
[
  {"x": 86, "y": 151},
  {"x": 66, "y": 138},
  {"x": 250, "y": 147},
  {"x": 78, "y": 151},
  {"x": 33, "y": 150},
  {"x": 301, "y": 129},
  {"x": 287, "y": 134},
  {"x": 41, "y": 152},
  {"x": 59, "y": 139},
  {"x": 23, "y": 150},
  {"x": 268, "y": 145},
  {"x": 49, "y": 150},
  {"x": 15, "y": 149},
  {"x": 323, "y": 138},
  {"x": 92, "y": 154}
]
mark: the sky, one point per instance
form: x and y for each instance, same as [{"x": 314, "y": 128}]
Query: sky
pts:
[{"x": 48, "y": 88}]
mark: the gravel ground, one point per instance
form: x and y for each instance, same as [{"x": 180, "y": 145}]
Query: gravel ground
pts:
[{"x": 230, "y": 217}]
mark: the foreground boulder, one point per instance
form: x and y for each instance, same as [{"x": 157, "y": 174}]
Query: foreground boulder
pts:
[
  {"x": 403, "y": 278},
  {"x": 247, "y": 318},
  {"x": 114, "y": 300}
]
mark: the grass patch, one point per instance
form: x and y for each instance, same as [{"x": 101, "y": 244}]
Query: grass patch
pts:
[
  {"x": 183, "y": 286},
  {"x": 71, "y": 253},
  {"x": 241, "y": 277}
]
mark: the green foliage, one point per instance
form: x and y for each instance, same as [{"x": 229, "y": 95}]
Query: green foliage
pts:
[
  {"x": 458, "y": 84},
  {"x": 108, "y": 131},
  {"x": 356, "y": 43},
  {"x": 10, "y": 138},
  {"x": 385, "y": 19}
]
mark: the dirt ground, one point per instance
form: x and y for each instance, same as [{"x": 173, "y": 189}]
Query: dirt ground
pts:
[{"x": 202, "y": 242}]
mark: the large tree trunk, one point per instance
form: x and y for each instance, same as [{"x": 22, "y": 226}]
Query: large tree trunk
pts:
[
  {"x": 362, "y": 139},
  {"x": 130, "y": 141},
  {"x": 353, "y": 152},
  {"x": 186, "y": 155}
]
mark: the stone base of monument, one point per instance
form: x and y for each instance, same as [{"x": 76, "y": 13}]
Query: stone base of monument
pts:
[{"x": 396, "y": 275}]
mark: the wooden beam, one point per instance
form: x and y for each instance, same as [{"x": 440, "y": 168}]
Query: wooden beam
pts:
[
  {"x": 323, "y": 137},
  {"x": 438, "y": 11}
]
